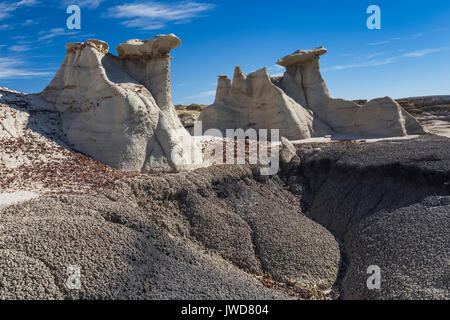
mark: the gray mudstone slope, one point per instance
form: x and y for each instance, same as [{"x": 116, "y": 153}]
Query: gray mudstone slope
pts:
[
  {"x": 206, "y": 234},
  {"x": 300, "y": 106},
  {"x": 118, "y": 110},
  {"x": 389, "y": 203}
]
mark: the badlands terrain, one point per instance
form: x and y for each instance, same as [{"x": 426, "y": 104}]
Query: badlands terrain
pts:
[
  {"x": 95, "y": 173},
  {"x": 432, "y": 112}
]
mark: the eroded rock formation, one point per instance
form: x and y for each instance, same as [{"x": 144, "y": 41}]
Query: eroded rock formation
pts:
[
  {"x": 299, "y": 104},
  {"x": 118, "y": 110},
  {"x": 381, "y": 117},
  {"x": 253, "y": 101}
]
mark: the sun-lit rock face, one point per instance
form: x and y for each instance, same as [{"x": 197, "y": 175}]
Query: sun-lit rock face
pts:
[
  {"x": 382, "y": 117},
  {"x": 148, "y": 62},
  {"x": 118, "y": 110},
  {"x": 158, "y": 46},
  {"x": 301, "y": 56},
  {"x": 300, "y": 105},
  {"x": 253, "y": 101}
]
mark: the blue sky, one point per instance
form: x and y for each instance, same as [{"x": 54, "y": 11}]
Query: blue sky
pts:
[{"x": 409, "y": 56}]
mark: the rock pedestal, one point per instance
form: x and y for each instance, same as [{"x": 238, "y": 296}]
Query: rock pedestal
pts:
[
  {"x": 118, "y": 110},
  {"x": 300, "y": 105},
  {"x": 382, "y": 117},
  {"x": 253, "y": 101}
]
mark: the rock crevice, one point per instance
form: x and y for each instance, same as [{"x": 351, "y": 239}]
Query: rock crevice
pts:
[{"x": 390, "y": 205}]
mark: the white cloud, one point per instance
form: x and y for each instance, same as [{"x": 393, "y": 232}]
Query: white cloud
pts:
[
  {"x": 203, "y": 94},
  {"x": 375, "y": 54},
  {"x": 184, "y": 84},
  {"x": 155, "y": 15},
  {"x": 29, "y": 22},
  {"x": 411, "y": 36},
  {"x": 11, "y": 68},
  {"x": 20, "y": 48},
  {"x": 4, "y": 26},
  {"x": 7, "y": 7},
  {"x": 371, "y": 63},
  {"x": 379, "y": 43},
  {"x": 27, "y": 3},
  {"x": 276, "y": 70},
  {"x": 90, "y": 4},
  {"x": 56, "y": 32},
  {"x": 82, "y": 37},
  {"x": 376, "y": 63},
  {"x": 144, "y": 25},
  {"x": 424, "y": 52}
]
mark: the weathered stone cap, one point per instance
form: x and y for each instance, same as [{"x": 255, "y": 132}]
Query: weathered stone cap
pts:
[
  {"x": 100, "y": 45},
  {"x": 157, "y": 46},
  {"x": 301, "y": 56}
]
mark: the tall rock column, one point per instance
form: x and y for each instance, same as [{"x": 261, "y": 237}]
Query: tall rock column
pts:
[
  {"x": 223, "y": 88},
  {"x": 118, "y": 110},
  {"x": 303, "y": 80},
  {"x": 148, "y": 61}
]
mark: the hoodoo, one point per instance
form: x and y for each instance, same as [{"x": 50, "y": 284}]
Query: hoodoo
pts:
[
  {"x": 299, "y": 104},
  {"x": 119, "y": 110},
  {"x": 253, "y": 101}
]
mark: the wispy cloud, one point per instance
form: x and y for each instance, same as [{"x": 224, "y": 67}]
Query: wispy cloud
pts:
[
  {"x": 381, "y": 62},
  {"x": 5, "y": 26},
  {"x": 370, "y": 63},
  {"x": 184, "y": 84},
  {"x": 90, "y": 4},
  {"x": 6, "y": 8},
  {"x": 56, "y": 32},
  {"x": 203, "y": 94},
  {"x": 379, "y": 43},
  {"x": 373, "y": 55},
  {"x": 27, "y": 3},
  {"x": 424, "y": 52},
  {"x": 11, "y": 68},
  {"x": 411, "y": 36},
  {"x": 20, "y": 48},
  {"x": 276, "y": 70},
  {"x": 156, "y": 15},
  {"x": 29, "y": 22}
]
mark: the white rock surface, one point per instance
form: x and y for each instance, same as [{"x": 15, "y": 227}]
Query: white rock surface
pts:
[
  {"x": 253, "y": 101},
  {"x": 288, "y": 151},
  {"x": 300, "y": 105},
  {"x": 381, "y": 117},
  {"x": 118, "y": 110}
]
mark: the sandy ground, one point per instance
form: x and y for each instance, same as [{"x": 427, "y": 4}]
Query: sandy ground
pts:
[{"x": 8, "y": 199}]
